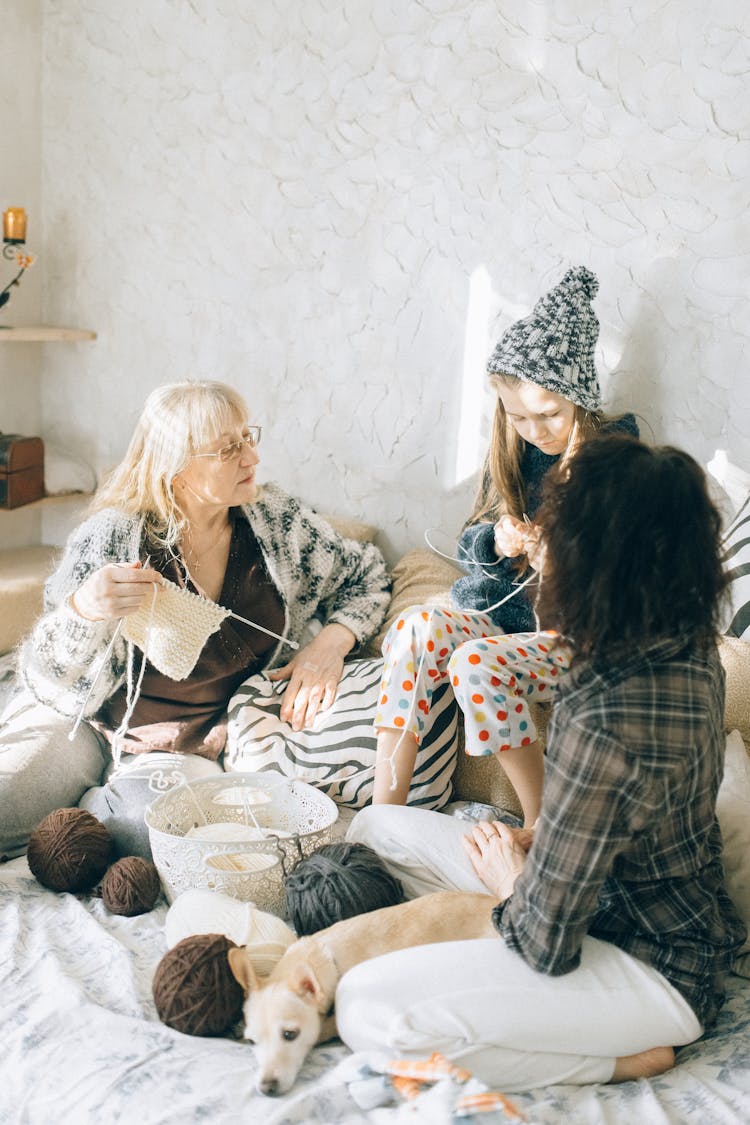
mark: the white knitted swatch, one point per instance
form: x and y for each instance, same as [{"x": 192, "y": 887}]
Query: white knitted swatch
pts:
[{"x": 172, "y": 629}]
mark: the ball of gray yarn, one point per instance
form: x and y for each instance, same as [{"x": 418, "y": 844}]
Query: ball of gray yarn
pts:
[{"x": 335, "y": 882}]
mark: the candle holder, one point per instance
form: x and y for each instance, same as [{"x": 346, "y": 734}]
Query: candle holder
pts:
[{"x": 14, "y": 235}]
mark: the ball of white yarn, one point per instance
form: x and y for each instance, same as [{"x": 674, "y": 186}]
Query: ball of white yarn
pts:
[{"x": 202, "y": 911}]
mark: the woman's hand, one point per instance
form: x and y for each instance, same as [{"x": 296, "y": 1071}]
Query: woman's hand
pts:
[
  {"x": 497, "y": 853},
  {"x": 113, "y": 591},
  {"x": 314, "y": 673}
]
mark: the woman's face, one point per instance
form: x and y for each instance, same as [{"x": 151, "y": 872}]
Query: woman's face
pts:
[
  {"x": 543, "y": 418},
  {"x": 223, "y": 474}
]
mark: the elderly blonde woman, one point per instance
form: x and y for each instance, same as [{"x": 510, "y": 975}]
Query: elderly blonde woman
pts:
[{"x": 184, "y": 505}]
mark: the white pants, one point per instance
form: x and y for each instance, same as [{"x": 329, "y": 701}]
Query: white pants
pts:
[{"x": 478, "y": 1002}]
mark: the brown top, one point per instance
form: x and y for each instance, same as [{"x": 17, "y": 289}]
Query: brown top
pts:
[{"x": 189, "y": 716}]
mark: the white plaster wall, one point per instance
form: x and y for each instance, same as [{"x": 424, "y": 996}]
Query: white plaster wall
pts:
[
  {"x": 300, "y": 196},
  {"x": 20, "y": 185}
]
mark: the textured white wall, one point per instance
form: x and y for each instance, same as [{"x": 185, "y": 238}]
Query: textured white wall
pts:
[
  {"x": 20, "y": 186},
  {"x": 338, "y": 204}
]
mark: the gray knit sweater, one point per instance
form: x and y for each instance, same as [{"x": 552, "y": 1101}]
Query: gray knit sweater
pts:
[{"x": 316, "y": 572}]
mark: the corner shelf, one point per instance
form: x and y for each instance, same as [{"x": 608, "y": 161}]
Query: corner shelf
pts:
[
  {"x": 42, "y": 333},
  {"x": 56, "y": 498}
]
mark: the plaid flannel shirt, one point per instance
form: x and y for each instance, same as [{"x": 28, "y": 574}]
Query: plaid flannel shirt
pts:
[{"x": 628, "y": 848}]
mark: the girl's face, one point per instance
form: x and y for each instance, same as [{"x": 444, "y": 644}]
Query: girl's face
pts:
[{"x": 543, "y": 418}]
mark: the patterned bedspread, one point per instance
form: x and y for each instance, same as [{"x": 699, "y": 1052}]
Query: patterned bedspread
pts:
[{"x": 81, "y": 1043}]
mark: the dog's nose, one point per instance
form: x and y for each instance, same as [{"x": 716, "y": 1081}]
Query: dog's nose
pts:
[{"x": 269, "y": 1086}]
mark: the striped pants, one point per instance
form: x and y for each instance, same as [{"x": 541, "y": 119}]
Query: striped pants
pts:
[{"x": 494, "y": 678}]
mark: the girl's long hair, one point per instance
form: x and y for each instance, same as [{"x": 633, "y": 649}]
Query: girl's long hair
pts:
[
  {"x": 177, "y": 420},
  {"x": 633, "y": 549},
  {"x": 501, "y": 486}
]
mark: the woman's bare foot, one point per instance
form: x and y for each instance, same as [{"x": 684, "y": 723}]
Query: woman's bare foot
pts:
[{"x": 646, "y": 1064}]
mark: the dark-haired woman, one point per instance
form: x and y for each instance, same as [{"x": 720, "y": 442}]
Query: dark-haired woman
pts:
[{"x": 615, "y": 925}]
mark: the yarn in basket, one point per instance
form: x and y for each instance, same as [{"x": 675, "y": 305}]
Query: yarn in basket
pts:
[
  {"x": 69, "y": 850},
  {"x": 131, "y": 886},
  {"x": 194, "y": 989}
]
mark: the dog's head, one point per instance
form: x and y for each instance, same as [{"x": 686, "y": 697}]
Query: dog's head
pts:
[{"x": 282, "y": 1019}]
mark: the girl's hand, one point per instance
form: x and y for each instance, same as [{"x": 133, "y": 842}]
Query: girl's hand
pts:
[
  {"x": 113, "y": 591},
  {"x": 497, "y": 854},
  {"x": 534, "y": 549},
  {"x": 510, "y": 537},
  {"x": 313, "y": 673}
]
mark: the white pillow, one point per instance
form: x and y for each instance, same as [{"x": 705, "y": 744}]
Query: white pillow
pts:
[
  {"x": 733, "y": 812},
  {"x": 734, "y": 481},
  {"x": 737, "y": 563},
  {"x": 66, "y": 472}
]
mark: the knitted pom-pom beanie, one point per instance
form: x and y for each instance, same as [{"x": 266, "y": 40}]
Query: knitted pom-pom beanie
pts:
[{"x": 554, "y": 346}]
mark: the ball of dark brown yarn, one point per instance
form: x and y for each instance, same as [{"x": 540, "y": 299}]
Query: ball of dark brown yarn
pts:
[
  {"x": 194, "y": 989},
  {"x": 69, "y": 850},
  {"x": 131, "y": 886}
]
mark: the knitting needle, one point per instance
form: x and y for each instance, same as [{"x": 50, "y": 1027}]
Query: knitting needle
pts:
[
  {"x": 254, "y": 625},
  {"x": 262, "y": 629}
]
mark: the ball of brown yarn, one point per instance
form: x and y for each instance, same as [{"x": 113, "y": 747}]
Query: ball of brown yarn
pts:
[
  {"x": 131, "y": 886},
  {"x": 194, "y": 989},
  {"x": 69, "y": 850}
]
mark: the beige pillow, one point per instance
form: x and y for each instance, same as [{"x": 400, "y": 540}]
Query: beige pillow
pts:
[
  {"x": 735, "y": 656},
  {"x": 23, "y": 572},
  {"x": 419, "y": 578},
  {"x": 351, "y": 529}
]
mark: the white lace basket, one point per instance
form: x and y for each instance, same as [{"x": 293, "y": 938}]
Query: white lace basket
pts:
[{"x": 259, "y": 825}]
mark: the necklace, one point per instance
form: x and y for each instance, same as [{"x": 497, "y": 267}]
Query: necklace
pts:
[{"x": 196, "y": 560}]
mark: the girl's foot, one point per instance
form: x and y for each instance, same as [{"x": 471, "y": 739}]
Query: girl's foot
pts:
[{"x": 646, "y": 1064}]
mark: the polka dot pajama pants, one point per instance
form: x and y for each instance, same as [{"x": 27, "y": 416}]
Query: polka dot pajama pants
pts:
[
  {"x": 493, "y": 677},
  {"x": 494, "y": 680}
]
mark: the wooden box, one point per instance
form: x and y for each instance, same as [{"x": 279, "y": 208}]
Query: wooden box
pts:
[{"x": 21, "y": 470}]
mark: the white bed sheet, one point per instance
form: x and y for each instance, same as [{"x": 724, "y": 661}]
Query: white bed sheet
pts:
[{"x": 81, "y": 1043}]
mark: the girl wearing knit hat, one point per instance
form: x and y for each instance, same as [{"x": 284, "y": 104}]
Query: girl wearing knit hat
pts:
[{"x": 548, "y": 403}]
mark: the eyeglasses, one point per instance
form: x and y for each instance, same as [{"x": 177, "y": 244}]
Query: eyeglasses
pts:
[{"x": 231, "y": 452}]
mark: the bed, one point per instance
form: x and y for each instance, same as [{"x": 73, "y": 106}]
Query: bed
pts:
[{"x": 82, "y": 1041}]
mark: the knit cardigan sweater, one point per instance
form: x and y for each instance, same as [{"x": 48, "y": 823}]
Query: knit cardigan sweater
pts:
[{"x": 317, "y": 573}]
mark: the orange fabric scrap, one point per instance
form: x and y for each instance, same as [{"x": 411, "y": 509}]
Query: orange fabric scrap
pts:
[
  {"x": 487, "y": 1102},
  {"x": 428, "y": 1070},
  {"x": 407, "y": 1087}
]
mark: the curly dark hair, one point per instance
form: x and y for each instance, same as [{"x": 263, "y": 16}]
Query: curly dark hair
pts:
[{"x": 633, "y": 549}]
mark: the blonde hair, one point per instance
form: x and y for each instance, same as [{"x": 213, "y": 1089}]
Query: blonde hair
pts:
[
  {"x": 177, "y": 420},
  {"x": 501, "y": 487}
]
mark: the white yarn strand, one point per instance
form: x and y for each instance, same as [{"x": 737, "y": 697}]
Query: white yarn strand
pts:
[
  {"x": 133, "y": 694},
  {"x": 92, "y": 685}
]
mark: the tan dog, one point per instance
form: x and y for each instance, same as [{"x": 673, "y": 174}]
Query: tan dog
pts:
[{"x": 290, "y": 1011}]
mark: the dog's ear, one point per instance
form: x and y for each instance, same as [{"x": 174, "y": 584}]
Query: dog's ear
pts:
[
  {"x": 305, "y": 983},
  {"x": 242, "y": 968}
]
